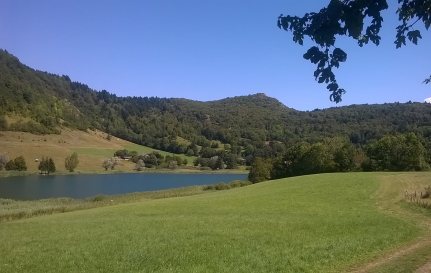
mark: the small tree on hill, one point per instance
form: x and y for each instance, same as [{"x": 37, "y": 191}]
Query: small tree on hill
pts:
[
  {"x": 109, "y": 163},
  {"x": 18, "y": 164},
  {"x": 71, "y": 162},
  {"x": 106, "y": 164},
  {"x": 51, "y": 166},
  {"x": 3, "y": 123},
  {"x": 140, "y": 165},
  {"x": 10, "y": 165},
  {"x": 46, "y": 165},
  {"x": 3, "y": 161}
]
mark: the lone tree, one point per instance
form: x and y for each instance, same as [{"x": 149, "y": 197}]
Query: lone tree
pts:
[
  {"x": 71, "y": 162},
  {"x": 109, "y": 163},
  {"x": 359, "y": 19},
  {"x": 47, "y": 165},
  {"x": 3, "y": 161}
]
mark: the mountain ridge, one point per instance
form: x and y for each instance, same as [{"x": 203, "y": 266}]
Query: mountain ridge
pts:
[{"x": 46, "y": 102}]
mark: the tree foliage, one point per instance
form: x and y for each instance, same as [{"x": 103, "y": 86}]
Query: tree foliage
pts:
[
  {"x": 3, "y": 161},
  {"x": 329, "y": 155},
  {"x": 360, "y": 20},
  {"x": 110, "y": 164},
  {"x": 46, "y": 165},
  {"x": 71, "y": 162},
  {"x": 400, "y": 152},
  {"x": 140, "y": 165},
  {"x": 397, "y": 153},
  {"x": 260, "y": 170},
  {"x": 243, "y": 127},
  {"x": 17, "y": 164}
]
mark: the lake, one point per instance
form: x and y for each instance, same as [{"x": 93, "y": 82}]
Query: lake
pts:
[{"x": 81, "y": 186}]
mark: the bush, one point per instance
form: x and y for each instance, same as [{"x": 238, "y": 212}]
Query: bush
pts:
[
  {"x": 140, "y": 165},
  {"x": 427, "y": 193},
  {"x": 18, "y": 164},
  {"x": 224, "y": 186},
  {"x": 109, "y": 163},
  {"x": 46, "y": 165},
  {"x": 3, "y": 161},
  {"x": 221, "y": 186},
  {"x": 239, "y": 183},
  {"x": 99, "y": 198},
  {"x": 71, "y": 162},
  {"x": 10, "y": 165},
  {"x": 3, "y": 123}
]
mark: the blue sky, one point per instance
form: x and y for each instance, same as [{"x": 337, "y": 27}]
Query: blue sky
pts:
[{"x": 204, "y": 50}]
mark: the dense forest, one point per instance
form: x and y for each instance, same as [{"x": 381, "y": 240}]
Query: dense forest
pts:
[{"x": 237, "y": 129}]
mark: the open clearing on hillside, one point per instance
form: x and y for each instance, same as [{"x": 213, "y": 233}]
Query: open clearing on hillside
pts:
[
  {"x": 317, "y": 223},
  {"x": 92, "y": 148}
]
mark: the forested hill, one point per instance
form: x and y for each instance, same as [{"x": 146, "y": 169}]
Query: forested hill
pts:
[{"x": 42, "y": 102}]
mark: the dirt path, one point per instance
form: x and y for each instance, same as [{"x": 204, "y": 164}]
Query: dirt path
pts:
[
  {"x": 388, "y": 197},
  {"x": 424, "y": 269},
  {"x": 396, "y": 254}
]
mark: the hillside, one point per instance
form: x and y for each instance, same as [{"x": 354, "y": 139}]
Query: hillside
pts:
[
  {"x": 353, "y": 222},
  {"x": 227, "y": 133},
  {"x": 92, "y": 148},
  {"x": 41, "y": 102}
]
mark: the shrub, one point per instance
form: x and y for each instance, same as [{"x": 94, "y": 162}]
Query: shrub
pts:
[
  {"x": 99, "y": 198},
  {"x": 109, "y": 163},
  {"x": 71, "y": 162},
  {"x": 140, "y": 165},
  {"x": 10, "y": 165},
  {"x": 18, "y": 164},
  {"x": 208, "y": 187},
  {"x": 3, "y": 123},
  {"x": 427, "y": 193},
  {"x": 3, "y": 161},
  {"x": 222, "y": 186},
  {"x": 46, "y": 165},
  {"x": 239, "y": 183}
]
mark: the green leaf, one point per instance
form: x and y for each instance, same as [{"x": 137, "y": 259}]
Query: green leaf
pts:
[
  {"x": 339, "y": 55},
  {"x": 413, "y": 36}
]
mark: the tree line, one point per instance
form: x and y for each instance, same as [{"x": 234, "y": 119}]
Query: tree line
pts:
[
  {"x": 222, "y": 134},
  {"x": 248, "y": 124},
  {"x": 46, "y": 164},
  {"x": 399, "y": 152}
]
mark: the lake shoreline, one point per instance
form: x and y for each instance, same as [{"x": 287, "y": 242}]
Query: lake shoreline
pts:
[
  {"x": 12, "y": 209},
  {"x": 33, "y": 187},
  {"x": 5, "y": 174}
]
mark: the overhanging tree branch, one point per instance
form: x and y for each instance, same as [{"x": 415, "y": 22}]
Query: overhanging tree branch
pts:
[{"x": 359, "y": 19}]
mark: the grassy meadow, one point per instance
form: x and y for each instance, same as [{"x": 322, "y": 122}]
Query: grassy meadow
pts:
[
  {"x": 92, "y": 148},
  {"x": 316, "y": 223}
]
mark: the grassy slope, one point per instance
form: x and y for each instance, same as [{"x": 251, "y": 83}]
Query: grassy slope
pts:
[
  {"x": 390, "y": 196},
  {"x": 321, "y": 223},
  {"x": 92, "y": 148}
]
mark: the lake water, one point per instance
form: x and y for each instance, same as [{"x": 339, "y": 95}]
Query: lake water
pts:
[{"x": 81, "y": 186}]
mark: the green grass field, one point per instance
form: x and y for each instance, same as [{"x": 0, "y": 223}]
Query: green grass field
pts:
[{"x": 318, "y": 223}]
